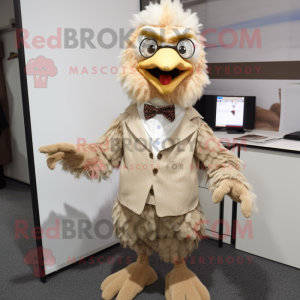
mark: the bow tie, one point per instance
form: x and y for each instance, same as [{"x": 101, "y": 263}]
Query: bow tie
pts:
[{"x": 168, "y": 111}]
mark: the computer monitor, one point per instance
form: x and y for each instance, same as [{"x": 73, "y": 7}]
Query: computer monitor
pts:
[
  {"x": 230, "y": 112},
  {"x": 220, "y": 111}
]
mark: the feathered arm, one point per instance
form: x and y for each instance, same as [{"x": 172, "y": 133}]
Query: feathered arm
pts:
[
  {"x": 223, "y": 170},
  {"x": 95, "y": 161}
]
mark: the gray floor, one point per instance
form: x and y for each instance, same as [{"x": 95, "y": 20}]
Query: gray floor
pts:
[{"x": 260, "y": 279}]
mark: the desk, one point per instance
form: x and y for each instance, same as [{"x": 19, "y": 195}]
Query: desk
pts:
[
  {"x": 273, "y": 169},
  {"x": 284, "y": 145}
]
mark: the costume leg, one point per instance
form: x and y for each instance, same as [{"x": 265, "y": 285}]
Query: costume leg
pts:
[
  {"x": 181, "y": 283},
  {"x": 130, "y": 281}
]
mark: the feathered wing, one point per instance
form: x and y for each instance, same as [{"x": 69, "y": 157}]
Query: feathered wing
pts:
[
  {"x": 102, "y": 157},
  {"x": 218, "y": 162}
]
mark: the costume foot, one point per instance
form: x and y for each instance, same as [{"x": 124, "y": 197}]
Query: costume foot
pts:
[
  {"x": 183, "y": 284},
  {"x": 130, "y": 281}
]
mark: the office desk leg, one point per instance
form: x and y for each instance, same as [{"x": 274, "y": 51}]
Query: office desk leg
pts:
[{"x": 221, "y": 223}]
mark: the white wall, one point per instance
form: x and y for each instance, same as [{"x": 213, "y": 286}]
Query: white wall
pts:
[
  {"x": 71, "y": 107},
  {"x": 279, "y": 24},
  {"x": 18, "y": 169}
]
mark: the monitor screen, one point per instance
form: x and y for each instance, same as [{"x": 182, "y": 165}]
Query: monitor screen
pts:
[{"x": 230, "y": 111}]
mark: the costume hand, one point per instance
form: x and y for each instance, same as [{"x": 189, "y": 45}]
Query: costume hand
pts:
[
  {"x": 65, "y": 151},
  {"x": 237, "y": 192}
]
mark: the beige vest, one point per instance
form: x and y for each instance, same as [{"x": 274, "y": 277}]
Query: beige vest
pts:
[{"x": 172, "y": 173}]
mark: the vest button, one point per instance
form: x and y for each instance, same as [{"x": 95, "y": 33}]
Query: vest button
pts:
[
  {"x": 155, "y": 171},
  {"x": 152, "y": 192},
  {"x": 159, "y": 155},
  {"x": 151, "y": 155}
]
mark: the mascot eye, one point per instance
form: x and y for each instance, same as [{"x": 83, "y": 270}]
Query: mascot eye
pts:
[
  {"x": 186, "y": 48},
  {"x": 182, "y": 50},
  {"x": 148, "y": 47}
]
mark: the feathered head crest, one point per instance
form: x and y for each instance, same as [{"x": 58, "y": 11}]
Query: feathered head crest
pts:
[
  {"x": 167, "y": 13},
  {"x": 170, "y": 16}
]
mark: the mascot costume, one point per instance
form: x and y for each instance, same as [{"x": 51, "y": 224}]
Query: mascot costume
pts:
[{"x": 158, "y": 144}]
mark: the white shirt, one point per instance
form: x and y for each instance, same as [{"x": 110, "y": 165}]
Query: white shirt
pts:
[{"x": 159, "y": 128}]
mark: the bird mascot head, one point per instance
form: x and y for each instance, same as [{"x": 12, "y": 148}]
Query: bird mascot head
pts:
[{"x": 164, "y": 56}]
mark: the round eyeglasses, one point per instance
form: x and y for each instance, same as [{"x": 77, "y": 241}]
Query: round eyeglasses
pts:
[{"x": 185, "y": 48}]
